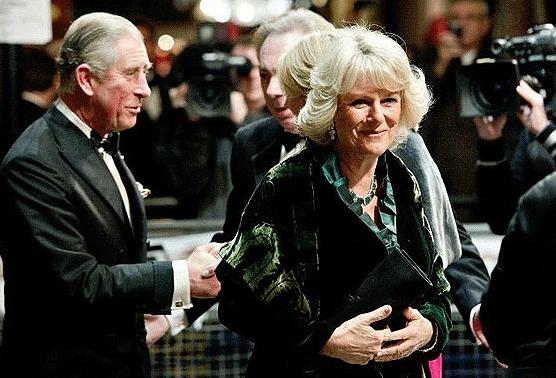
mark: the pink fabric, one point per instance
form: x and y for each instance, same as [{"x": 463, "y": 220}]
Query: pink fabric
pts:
[{"x": 435, "y": 367}]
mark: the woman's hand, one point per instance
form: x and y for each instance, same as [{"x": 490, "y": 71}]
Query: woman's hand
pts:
[
  {"x": 417, "y": 333},
  {"x": 355, "y": 341}
]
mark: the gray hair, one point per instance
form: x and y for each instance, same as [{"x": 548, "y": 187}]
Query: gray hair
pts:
[
  {"x": 301, "y": 19},
  {"x": 90, "y": 39},
  {"x": 360, "y": 53}
]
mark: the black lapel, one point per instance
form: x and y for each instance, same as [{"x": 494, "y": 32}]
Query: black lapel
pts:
[
  {"x": 136, "y": 205},
  {"x": 267, "y": 153},
  {"x": 85, "y": 159}
]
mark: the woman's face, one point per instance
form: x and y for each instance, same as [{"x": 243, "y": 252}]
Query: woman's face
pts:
[{"x": 366, "y": 120}]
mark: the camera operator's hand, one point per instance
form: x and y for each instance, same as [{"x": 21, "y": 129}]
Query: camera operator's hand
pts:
[
  {"x": 449, "y": 47},
  {"x": 532, "y": 116},
  {"x": 490, "y": 127},
  {"x": 177, "y": 95},
  {"x": 238, "y": 108}
]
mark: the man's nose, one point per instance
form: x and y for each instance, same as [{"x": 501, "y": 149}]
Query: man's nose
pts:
[
  {"x": 142, "y": 89},
  {"x": 274, "y": 88}
]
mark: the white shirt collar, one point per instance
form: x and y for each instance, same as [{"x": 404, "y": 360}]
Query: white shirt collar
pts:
[{"x": 69, "y": 114}]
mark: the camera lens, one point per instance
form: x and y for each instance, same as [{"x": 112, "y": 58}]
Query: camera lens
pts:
[
  {"x": 494, "y": 92},
  {"x": 209, "y": 96},
  {"x": 487, "y": 87}
]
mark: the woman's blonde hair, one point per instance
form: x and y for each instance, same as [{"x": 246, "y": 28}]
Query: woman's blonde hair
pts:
[
  {"x": 359, "y": 53},
  {"x": 296, "y": 63}
]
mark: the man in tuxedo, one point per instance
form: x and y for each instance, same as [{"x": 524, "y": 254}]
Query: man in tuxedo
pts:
[{"x": 74, "y": 244}]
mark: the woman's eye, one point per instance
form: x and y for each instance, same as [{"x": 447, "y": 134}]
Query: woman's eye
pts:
[
  {"x": 358, "y": 103},
  {"x": 390, "y": 100}
]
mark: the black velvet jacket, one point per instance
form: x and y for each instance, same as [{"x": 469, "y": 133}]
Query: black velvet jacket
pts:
[{"x": 292, "y": 232}]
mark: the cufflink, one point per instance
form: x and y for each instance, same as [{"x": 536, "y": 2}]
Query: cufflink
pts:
[
  {"x": 178, "y": 304},
  {"x": 142, "y": 190}
]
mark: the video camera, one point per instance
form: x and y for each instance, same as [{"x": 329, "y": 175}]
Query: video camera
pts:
[
  {"x": 487, "y": 87},
  {"x": 211, "y": 73}
]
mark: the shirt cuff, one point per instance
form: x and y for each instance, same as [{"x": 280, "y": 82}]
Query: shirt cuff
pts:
[
  {"x": 177, "y": 321},
  {"x": 181, "y": 298}
]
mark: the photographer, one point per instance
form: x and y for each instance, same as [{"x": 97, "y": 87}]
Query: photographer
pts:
[
  {"x": 499, "y": 182},
  {"x": 449, "y": 137},
  {"x": 195, "y": 140},
  {"x": 247, "y": 103}
]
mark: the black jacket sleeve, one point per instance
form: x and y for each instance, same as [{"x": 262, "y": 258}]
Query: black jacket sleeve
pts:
[{"x": 468, "y": 277}]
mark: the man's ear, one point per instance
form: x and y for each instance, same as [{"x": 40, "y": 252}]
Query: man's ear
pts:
[{"x": 84, "y": 77}]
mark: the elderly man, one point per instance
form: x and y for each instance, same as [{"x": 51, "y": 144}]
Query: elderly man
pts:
[{"x": 74, "y": 249}]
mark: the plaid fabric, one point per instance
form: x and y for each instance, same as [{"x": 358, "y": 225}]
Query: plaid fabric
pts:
[
  {"x": 211, "y": 352},
  {"x": 207, "y": 349},
  {"x": 462, "y": 358},
  {"x": 214, "y": 351}
]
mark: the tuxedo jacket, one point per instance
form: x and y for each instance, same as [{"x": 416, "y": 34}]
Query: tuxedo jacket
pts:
[
  {"x": 256, "y": 149},
  {"x": 76, "y": 277}
]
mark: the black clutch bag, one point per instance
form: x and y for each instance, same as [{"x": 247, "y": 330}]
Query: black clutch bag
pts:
[{"x": 396, "y": 281}]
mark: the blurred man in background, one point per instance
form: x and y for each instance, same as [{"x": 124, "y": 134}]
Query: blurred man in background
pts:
[{"x": 450, "y": 138}]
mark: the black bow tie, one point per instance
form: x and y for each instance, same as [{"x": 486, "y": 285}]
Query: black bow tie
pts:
[
  {"x": 109, "y": 143},
  {"x": 289, "y": 140}
]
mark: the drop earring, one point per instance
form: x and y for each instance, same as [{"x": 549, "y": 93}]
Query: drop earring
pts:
[{"x": 332, "y": 132}]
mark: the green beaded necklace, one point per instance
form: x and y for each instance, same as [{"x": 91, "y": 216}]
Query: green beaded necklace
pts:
[{"x": 364, "y": 201}]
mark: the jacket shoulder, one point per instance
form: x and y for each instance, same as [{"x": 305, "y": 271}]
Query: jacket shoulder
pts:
[
  {"x": 35, "y": 142},
  {"x": 261, "y": 129},
  {"x": 537, "y": 207}
]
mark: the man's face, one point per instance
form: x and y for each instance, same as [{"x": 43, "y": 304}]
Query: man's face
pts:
[
  {"x": 250, "y": 84},
  {"x": 472, "y": 17},
  {"x": 270, "y": 52},
  {"x": 118, "y": 95}
]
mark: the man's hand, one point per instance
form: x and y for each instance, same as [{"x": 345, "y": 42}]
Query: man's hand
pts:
[
  {"x": 417, "y": 333},
  {"x": 201, "y": 264},
  {"x": 489, "y": 127},
  {"x": 449, "y": 47},
  {"x": 355, "y": 341},
  {"x": 156, "y": 327},
  {"x": 477, "y": 330},
  {"x": 533, "y": 116}
]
